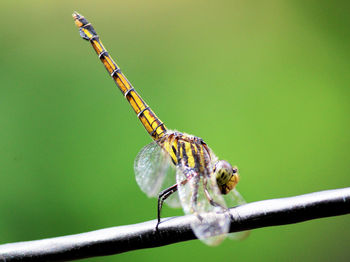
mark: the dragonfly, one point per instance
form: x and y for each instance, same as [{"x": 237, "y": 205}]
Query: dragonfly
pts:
[{"x": 176, "y": 161}]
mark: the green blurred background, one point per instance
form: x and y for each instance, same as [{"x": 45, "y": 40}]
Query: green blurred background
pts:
[{"x": 265, "y": 83}]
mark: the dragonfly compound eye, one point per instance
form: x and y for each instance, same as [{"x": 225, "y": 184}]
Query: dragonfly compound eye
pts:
[{"x": 226, "y": 176}]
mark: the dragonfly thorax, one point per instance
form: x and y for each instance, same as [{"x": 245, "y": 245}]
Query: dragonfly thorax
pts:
[{"x": 227, "y": 176}]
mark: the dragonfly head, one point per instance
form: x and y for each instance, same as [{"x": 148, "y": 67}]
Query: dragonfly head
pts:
[{"x": 227, "y": 176}]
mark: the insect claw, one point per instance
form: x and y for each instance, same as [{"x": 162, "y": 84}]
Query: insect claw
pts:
[{"x": 157, "y": 226}]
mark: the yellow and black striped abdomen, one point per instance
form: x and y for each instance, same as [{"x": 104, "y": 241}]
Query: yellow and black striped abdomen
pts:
[{"x": 147, "y": 117}]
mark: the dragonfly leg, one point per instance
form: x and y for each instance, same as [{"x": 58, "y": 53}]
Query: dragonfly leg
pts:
[
  {"x": 209, "y": 197},
  {"x": 194, "y": 197},
  {"x": 163, "y": 195}
]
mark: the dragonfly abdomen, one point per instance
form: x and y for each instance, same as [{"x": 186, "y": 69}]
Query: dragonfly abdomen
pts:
[{"x": 148, "y": 118}]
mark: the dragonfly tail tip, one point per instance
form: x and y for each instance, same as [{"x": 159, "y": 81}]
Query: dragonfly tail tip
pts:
[
  {"x": 76, "y": 15},
  {"x": 78, "y": 19}
]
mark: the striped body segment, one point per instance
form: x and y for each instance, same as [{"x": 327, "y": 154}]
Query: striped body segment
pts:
[
  {"x": 148, "y": 118},
  {"x": 186, "y": 150}
]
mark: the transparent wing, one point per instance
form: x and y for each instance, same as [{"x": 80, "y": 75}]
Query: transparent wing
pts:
[
  {"x": 169, "y": 180},
  {"x": 212, "y": 222},
  {"x": 150, "y": 169},
  {"x": 233, "y": 199},
  {"x": 155, "y": 172}
]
